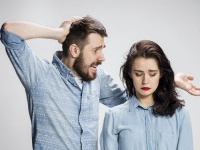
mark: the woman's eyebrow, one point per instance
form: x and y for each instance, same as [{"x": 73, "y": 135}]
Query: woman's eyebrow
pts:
[
  {"x": 137, "y": 70},
  {"x": 142, "y": 71}
]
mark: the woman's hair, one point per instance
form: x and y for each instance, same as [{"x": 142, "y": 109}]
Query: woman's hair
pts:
[
  {"x": 79, "y": 32},
  {"x": 165, "y": 96}
]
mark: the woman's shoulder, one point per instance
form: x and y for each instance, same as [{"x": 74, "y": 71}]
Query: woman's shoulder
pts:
[
  {"x": 119, "y": 108},
  {"x": 182, "y": 112}
]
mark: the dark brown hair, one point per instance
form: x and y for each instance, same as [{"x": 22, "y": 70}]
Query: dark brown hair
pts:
[
  {"x": 165, "y": 96},
  {"x": 79, "y": 32}
]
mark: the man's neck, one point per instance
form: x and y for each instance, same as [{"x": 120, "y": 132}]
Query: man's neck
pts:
[{"x": 69, "y": 62}]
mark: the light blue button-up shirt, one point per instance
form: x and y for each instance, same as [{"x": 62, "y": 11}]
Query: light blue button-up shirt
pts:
[
  {"x": 63, "y": 116},
  {"x": 132, "y": 127}
]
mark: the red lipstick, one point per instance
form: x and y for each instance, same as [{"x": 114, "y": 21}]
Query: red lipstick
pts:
[{"x": 145, "y": 88}]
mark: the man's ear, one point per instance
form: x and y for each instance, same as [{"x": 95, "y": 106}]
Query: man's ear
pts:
[{"x": 74, "y": 50}]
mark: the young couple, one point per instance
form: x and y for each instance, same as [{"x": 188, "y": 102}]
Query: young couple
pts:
[{"x": 63, "y": 96}]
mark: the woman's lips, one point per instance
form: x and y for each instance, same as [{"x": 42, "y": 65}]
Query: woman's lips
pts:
[{"x": 145, "y": 88}]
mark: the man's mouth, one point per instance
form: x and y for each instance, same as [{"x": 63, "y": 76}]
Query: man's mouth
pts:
[{"x": 94, "y": 66}]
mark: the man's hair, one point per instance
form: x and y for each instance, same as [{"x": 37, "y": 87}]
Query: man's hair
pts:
[
  {"x": 79, "y": 32},
  {"x": 165, "y": 96}
]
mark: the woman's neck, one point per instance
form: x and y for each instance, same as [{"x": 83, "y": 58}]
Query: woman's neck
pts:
[{"x": 146, "y": 101}]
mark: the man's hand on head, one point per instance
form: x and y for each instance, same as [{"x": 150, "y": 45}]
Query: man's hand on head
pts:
[{"x": 65, "y": 26}]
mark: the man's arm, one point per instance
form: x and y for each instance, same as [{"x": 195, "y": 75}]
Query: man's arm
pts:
[
  {"x": 27, "y": 65},
  {"x": 184, "y": 82},
  {"x": 28, "y": 30}
]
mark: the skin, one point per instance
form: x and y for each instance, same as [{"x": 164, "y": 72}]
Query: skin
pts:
[
  {"x": 85, "y": 65},
  {"x": 145, "y": 75},
  {"x": 28, "y": 30}
]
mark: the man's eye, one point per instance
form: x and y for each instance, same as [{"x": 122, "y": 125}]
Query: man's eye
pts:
[{"x": 96, "y": 50}]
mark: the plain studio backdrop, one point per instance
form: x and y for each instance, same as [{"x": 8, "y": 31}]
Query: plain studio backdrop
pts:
[{"x": 174, "y": 25}]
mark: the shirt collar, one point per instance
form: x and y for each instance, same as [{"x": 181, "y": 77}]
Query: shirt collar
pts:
[
  {"x": 134, "y": 103},
  {"x": 63, "y": 69}
]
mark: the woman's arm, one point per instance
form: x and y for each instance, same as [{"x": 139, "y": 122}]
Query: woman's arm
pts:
[
  {"x": 185, "y": 140},
  {"x": 108, "y": 139}
]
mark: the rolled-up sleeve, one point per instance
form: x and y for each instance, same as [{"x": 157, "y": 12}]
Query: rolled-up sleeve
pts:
[
  {"x": 111, "y": 94},
  {"x": 26, "y": 64}
]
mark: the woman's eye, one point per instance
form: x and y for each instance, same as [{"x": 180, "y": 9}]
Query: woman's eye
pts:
[
  {"x": 138, "y": 74},
  {"x": 153, "y": 74}
]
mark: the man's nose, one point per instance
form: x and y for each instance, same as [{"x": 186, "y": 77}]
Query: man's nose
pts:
[{"x": 101, "y": 57}]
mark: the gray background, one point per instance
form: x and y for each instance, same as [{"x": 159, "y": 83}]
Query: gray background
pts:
[{"x": 174, "y": 25}]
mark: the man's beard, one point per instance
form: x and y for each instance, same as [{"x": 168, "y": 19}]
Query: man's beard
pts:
[{"x": 82, "y": 69}]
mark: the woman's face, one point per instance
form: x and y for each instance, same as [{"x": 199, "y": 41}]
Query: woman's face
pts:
[{"x": 145, "y": 75}]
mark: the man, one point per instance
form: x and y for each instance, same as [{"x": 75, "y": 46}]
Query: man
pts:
[{"x": 63, "y": 96}]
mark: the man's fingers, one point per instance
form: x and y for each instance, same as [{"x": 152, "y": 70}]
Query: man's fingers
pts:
[
  {"x": 75, "y": 18},
  {"x": 190, "y": 77}
]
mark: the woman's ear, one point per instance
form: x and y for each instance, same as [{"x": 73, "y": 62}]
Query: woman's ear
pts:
[{"x": 74, "y": 50}]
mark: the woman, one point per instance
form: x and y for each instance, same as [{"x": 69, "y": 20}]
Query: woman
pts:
[{"x": 154, "y": 118}]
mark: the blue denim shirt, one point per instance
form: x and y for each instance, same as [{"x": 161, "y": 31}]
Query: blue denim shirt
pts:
[
  {"x": 63, "y": 116},
  {"x": 132, "y": 127}
]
